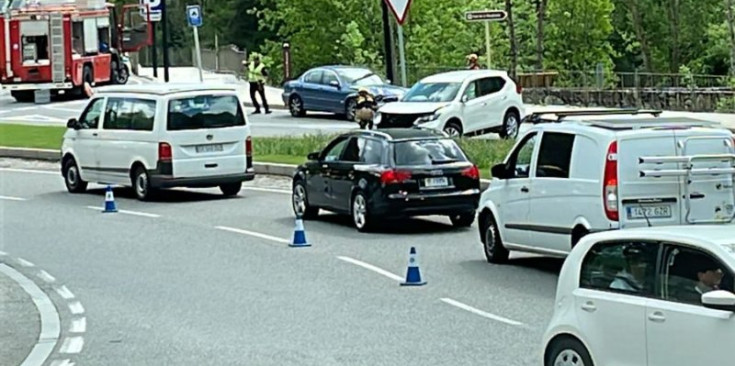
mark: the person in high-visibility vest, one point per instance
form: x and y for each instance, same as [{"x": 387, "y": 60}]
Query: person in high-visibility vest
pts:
[{"x": 257, "y": 74}]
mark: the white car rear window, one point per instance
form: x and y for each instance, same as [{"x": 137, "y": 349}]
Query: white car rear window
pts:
[{"x": 204, "y": 111}]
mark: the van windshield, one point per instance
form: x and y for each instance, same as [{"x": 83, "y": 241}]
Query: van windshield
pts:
[
  {"x": 427, "y": 152},
  {"x": 204, "y": 111}
]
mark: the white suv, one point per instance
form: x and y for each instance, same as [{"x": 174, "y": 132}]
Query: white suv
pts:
[
  {"x": 569, "y": 177},
  {"x": 459, "y": 103},
  {"x": 159, "y": 136},
  {"x": 658, "y": 296}
]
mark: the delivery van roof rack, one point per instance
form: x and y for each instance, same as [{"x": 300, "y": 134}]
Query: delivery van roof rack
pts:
[{"x": 536, "y": 117}]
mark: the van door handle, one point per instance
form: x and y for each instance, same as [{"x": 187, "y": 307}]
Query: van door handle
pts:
[
  {"x": 657, "y": 317},
  {"x": 589, "y": 307},
  {"x": 94, "y": 134},
  {"x": 524, "y": 189}
]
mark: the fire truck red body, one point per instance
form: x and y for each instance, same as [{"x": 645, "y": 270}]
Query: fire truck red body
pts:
[{"x": 59, "y": 45}]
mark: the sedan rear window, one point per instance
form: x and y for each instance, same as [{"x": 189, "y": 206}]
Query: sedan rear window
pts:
[
  {"x": 427, "y": 152},
  {"x": 204, "y": 111}
]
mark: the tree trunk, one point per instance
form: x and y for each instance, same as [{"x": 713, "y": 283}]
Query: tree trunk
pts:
[
  {"x": 540, "y": 18},
  {"x": 673, "y": 13},
  {"x": 513, "y": 43},
  {"x": 731, "y": 25},
  {"x": 640, "y": 33}
]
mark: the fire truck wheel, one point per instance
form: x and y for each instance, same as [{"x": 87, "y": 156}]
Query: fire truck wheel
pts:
[{"x": 22, "y": 96}]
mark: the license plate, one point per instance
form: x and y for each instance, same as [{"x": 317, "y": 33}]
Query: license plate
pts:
[
  {"x": 436, "y": 182},
  {"x": 651, "y": 212},
  {"x": 209, "y": 148}
]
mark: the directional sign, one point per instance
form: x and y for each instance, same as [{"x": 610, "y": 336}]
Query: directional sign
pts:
[
  {"x": 154, "y": 5},
  {"x": 485, "y": 16},
  {"x": 194, "y": 15},
  {"x": 399, "y": 9}
]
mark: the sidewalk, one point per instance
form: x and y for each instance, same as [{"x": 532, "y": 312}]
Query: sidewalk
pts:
[{"x": 19, "y": 322}]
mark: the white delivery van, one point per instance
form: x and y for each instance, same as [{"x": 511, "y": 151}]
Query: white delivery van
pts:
[
  {"x": 590, "y": 171},
  {"x": 159, "y": 136}
]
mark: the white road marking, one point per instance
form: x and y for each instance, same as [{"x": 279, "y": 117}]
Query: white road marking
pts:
[
  {"x": 271, "y": 190},
  {"x": 64, "y": 293},
  {"x": 76, "y": 308},
  {"x": 255, "y": 234},
  {"x": 33, "y": 171},
  {"x": 78, "y": 325},
  {"x": 3, "y": 254},
  {"x": 9, "y": 198},
  {"x": 62, "y": 363},
  {"x": 46, "y": 276},
  {"x": 50, "y": 324},
  {"x": 134, "y": 213},
  {"x": 371, "y": 267},
  {"x": 24, "y": 262},
  {"x": 72, "y": 345},
  {"x": 63, "y": 109},
  {"x": 480, "y": 312}
]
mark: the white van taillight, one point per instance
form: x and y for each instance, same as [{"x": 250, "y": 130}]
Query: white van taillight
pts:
[
  {"x": 610, "y": 182},
  {"x": 249, "y": 146},
  {"x": 164, "y": 152}
]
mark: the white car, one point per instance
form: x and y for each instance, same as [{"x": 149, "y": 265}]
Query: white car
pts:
[
  {"x": 658, "y": 296},
  {"x": 610, "y": 169},
  {"x": 159, "y": 136},
  {"x": 459, "y": 103}
]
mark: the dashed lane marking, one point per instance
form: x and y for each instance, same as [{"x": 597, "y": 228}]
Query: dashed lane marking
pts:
[
  {"x": 255, "y": 234},
  {"x": 78, "y": 325},
  {"x": 371, "y": 267},
  {"x": 72, "y": 345},
  {"x": 9, "y": 198},
  {"x": 24, "y": 262},
  {"x": 33, "y": 171},
  {"x": 127, "y": 212},
  {"x": 46, "y": 276},
  {"x": 76, "y": 308},
  {"x": 62, "y": 363},
  {"x": 479, "y": 312},
  {"x": 64, "y": 292},
  {"x": 271, "y": 190}
]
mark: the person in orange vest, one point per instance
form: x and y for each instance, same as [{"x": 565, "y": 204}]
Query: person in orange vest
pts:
[{"x": 472, "y": 60}]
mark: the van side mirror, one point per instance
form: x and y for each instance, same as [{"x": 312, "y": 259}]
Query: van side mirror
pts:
[
  {"x": 499, "y": 171},
  {"x": 719, "y": 300},
  {"x": 73, "y": 123},
  {"x": 313, "y": 156},
  {"x": 464, "y": 98}
]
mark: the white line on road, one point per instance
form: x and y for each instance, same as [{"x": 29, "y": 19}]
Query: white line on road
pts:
[
  {"x": 72, "y": 345},
  {"x": 62, "y": 363},
  {"x": 63, "y": 109},
  {"x": 24, "y": 262},
  {"x": 64, "y": 293},
  {"x": 46, "y": 276},
  {"x": 78, "y": 325},
  {"x": 284, "y": 191},
  {"x": 76, "y": 308},
  {"x": 255, "y": 234},
  {"x": 134, "y": 213},
  {"x": 371, "y": 267},
  {"x": 8, "y": 198},
  {"x": 3, "y": 254},
  {"x": 480, "y": 312},
  {"x": 34, "y": 171},
  {"x": 50, "y": 324}
]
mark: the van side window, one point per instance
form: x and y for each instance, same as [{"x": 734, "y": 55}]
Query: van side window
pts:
[
  {"x": 91, "y": 117},
  {"x": 687, "y": 273},
  {"x": 129, "y": 114},
  {"x": 519, "y": 163},
  {"x": 623, "y": 266},
  {"x": 555, "y": 155}
]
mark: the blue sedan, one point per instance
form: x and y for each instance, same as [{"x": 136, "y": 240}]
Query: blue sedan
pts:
[{"x": 333, "y": 89}]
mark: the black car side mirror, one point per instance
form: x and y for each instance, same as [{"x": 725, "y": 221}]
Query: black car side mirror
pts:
[
  {"x": 73, "y": 123},
  {"x": 313, "y": 156},
  {"x": 499, "y": 171}
]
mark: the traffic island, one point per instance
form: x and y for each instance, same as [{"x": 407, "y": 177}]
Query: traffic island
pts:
[{"x": 20, "y": 321}]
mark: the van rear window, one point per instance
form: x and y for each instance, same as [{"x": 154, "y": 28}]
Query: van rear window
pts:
[
  {"x": 427, "y": 152},
  {"x": 204, "y": 111}
]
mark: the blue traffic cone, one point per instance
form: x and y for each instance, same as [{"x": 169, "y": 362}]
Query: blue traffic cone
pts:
[
  {"x": 299, "y": 235},
  {"x": 110, "y": 201},
  {"x": 413, "y": 274}
]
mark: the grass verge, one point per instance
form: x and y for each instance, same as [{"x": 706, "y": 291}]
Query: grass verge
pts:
[{"x": 284, "y": 150}]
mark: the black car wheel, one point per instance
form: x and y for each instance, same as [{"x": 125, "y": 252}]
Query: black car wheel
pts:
[
  {"x": 351, "y": 110},
  {"x": 453, "y": 129},
  {"x": 72, "y": 178},
  {"x": 511, "y": 125},
  {"x": 300, "y": 202},
  {"x": 495, "y": 252},
  {"x": 231, "y": 189},
  {"x": 296, "y": 106},
  {"x": 360, "y": 215},
  {"x": 463, "y": 219},
  {"x": 568, "y": 352}
]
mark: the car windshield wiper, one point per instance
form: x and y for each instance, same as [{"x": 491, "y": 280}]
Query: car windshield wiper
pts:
[{"x": 363, "y": 77}]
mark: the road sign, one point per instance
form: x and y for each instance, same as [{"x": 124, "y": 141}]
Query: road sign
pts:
[
  {"x": 486, "y": 16},
  {"x": 154, "y": 5},
  {"x": 399, "y": 9},
  {"x": 194, "y": 15}
]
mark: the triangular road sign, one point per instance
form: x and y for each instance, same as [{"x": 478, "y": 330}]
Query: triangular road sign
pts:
[{"x": 399, "y": 9}]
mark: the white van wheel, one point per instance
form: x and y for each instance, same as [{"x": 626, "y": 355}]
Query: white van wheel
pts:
[{"x": 141, "y": 184}]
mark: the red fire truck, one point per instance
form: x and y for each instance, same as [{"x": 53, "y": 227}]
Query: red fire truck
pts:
[{"x": 58, "y": 45}]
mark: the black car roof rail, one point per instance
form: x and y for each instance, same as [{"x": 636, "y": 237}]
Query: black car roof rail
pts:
[{"x": 536, "y": 117}]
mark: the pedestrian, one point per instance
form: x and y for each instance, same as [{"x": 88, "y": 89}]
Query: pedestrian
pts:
[
  {"x": 88, "y": 91},
  {"x": 257, "y": 74},
  {"x": 472, "y": 60}
]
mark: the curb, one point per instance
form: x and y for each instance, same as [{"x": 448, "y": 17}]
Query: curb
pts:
[{"x": 281, "y": 170}]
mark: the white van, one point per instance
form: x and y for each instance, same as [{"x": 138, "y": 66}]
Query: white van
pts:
[
  {"x": 590, "y": 171},
  {"x": 159, "y": 136}
]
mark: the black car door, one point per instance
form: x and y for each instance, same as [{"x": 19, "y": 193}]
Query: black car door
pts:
[
  {"x": 342, "y": 174},
  {"x": 319, "y": 183}
]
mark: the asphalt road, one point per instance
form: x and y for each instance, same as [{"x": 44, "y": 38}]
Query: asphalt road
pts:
[{"x": 197, "y": 279}]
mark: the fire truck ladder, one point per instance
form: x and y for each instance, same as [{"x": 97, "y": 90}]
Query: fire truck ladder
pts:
[
  {"x": 689, "y": 172},
  {"x": 58, "y": 55}
]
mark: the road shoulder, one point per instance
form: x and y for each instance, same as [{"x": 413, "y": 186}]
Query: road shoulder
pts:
[{"x": 20, "y": 321}]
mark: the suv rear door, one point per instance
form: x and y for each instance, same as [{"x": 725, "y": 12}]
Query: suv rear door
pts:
[{"x": 207, "y": 134}]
